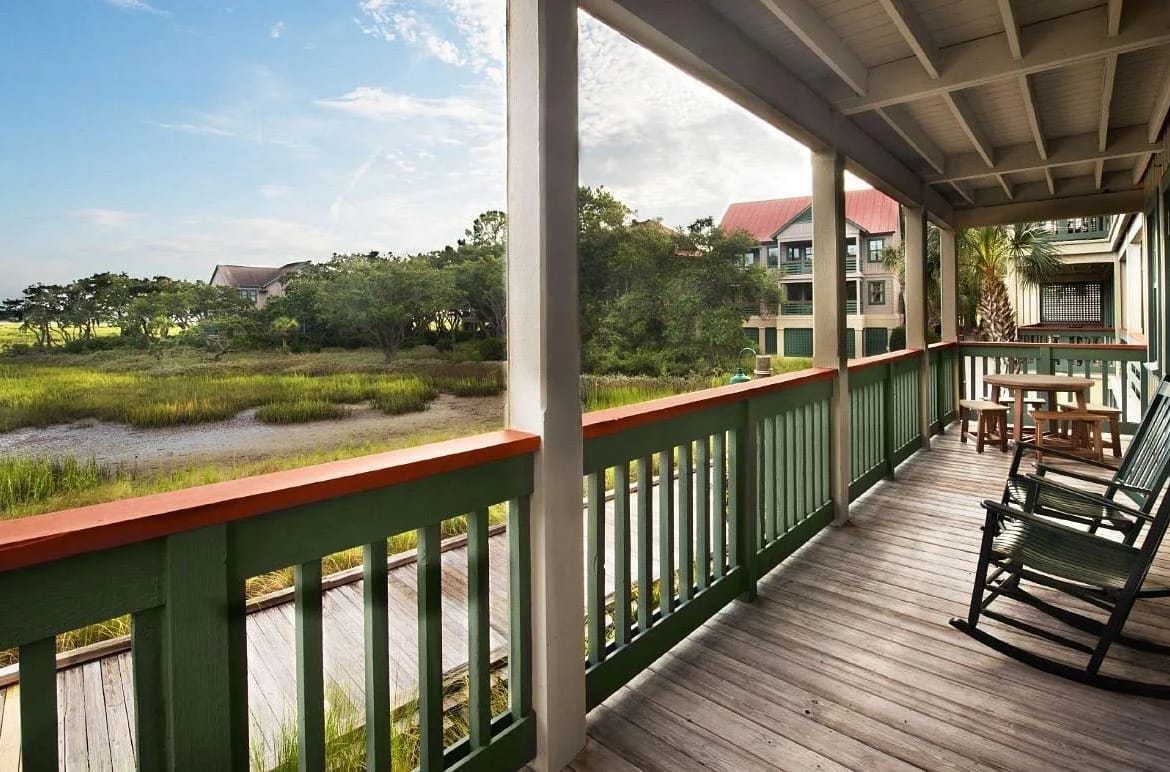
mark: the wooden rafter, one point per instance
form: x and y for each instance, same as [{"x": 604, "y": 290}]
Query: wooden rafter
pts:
[
  {"x": 1033, "y": 112},
  {"x": 905, "y": 127},
  {"x": 1010, "y": 28},
  {"x": 970, "y": 126},
  {"x": 804, "y": 22},
  {"x": 914, "y": 31}
]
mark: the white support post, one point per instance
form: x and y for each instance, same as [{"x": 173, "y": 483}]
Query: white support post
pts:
[
  {"x": 915, "y": 295},
  {"x": 543, "y": 354},
  {"x": 949, "y": 304},
  {"x": 829, "y": 325}
]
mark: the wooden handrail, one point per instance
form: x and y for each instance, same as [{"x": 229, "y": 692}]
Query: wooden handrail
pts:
[
  {"x": 600, "y": 423},
  {"x": 1025, "y": 346},
  {"x": 44, "y": 538},
  {"x": 886, "y": 358}
]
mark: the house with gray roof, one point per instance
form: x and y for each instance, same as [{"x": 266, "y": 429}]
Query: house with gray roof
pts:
[{"x": 258, "y": 283}]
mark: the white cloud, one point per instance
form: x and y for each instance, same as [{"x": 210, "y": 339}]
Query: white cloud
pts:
[
  {"x": 196, "y": 128},
  {"x": 355, "y": 178},
  {"x": 277, "y": 30},
  {"x": 106, "y": 218},
  {"x": 137, "y": 5},
  {"x": 220, "y": 125},
  {"x": 378, "y": 104},
  {"x": 272, "y": 192}
]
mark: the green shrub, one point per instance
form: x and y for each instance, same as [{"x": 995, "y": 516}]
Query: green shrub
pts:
[
  {"x": 897, "y": 339},
  {"x": 300, "y": 411}
]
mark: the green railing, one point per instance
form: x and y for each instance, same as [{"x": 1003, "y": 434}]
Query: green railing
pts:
[
  {"x": 883, "y": 416},
  {"x": 796, "y": 308},
  {"x": 851, "y": 306},
  {"x": 178, "y": 563},
  {"x": 943, "y": 405},
  {"x": 805, "y": 267},
  {"x": 1080, "y": 336},
  {"x": 727, "y": 484},
  {"x": 1121, "y": 377},
  {"x": 1079, "y": 228}
]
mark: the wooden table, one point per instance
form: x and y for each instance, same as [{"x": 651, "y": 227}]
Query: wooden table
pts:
[{"x": 1049, "y": 384}]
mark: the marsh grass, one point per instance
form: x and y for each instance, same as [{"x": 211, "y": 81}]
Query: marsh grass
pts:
[
  {"x": 300, "y": 411},
  {"x": 25, "y": 480},
  {"x": 345, "y": 736}
]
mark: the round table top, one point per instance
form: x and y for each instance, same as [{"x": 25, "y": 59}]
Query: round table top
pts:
[{"x": 1039, "y": 382}]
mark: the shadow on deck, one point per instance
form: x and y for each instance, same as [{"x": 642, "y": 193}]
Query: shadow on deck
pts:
[{"x": 847, "y": 660}]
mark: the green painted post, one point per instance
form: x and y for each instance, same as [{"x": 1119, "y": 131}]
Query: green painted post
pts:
[
  {"x": 621, "y": 548},
  {"x": 768, "y": 481},
  {"x": 719, "y": 497},
  {"x": 703, "y": 512},
  {"x": 645, "y": 545},
  {"x": 686, "y": 580},
  {"x": 888, "y": 433},
  {"x": 745, "y": 514},
  {"x": 38, "y": 704},
  {"x": 147, "y": 647},
  {"x": 1045, "y": 364},
  {"x": 595, "y": 576},
  {"x": 430, "y": 650},
  {"x": 207, "y": 719},
  {"x": 520, "y": 610},
  {"x": 310, "y": 666},
  {"x": 479, "y": 632},
  {"x": 376, "y": 630},
  {"x": 666, "y": 532}
]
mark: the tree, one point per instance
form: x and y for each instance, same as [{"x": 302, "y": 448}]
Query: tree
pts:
[
  {"x": 385, "y": 299},
  {"x": 989, "y": 254},
  {"x": 284, "y": 326}
]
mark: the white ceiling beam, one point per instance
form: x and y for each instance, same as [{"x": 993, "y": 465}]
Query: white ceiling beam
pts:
[
  {"x": 1045, "y": 207},
  {"x": 693, "y": 36},
  {"x": 1139, "y": 169},
  {"x": 1083, "y": 184},
  {"x": 1066, "y": 40},
  {"x": 1107, "y": 78},
  {"x": 1161, "y": 107},
  {"x": 1114, "y": 15},
  {"x": 1081, "y": 148},
  {"x": 964, "y": 190},
  {"x": 1098, "y": 174},
  {"x": 1033, "y": 113},
  {"x": 1010, "y": 28},
  {"x": 914, "y": 31},
  {"x": 1050, "y": 181},
  {"x": 905, "y": 127},
  {"x": 806, "y": 24},
  {"x": 1007, "y": 186},
  {"x": 961, "y": 109}
]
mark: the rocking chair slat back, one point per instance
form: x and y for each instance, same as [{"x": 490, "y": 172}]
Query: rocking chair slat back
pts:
[{"x": 1147, "y": 463}]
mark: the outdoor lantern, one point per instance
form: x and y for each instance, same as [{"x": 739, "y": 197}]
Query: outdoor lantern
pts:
[{"x": 740, "y": 376}]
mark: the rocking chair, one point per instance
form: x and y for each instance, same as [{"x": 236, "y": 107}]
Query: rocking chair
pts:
[
  {"x": 1105, "y": 573},
  {"x": 1133, "y": 485}
]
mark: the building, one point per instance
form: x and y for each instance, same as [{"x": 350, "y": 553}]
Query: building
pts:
[
  {"x": 1102, "y": 291},
  {"x": 783, "y": 228},
  {"x": 258, "y": 283}
]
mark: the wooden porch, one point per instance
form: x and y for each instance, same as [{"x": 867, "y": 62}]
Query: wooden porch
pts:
[{"x": 846, "y": 659}]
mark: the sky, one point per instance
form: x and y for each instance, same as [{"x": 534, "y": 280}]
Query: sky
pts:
[{"x": 165, "y": 136}]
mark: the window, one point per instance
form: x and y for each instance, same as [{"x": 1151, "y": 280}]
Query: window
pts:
[
  {"x": 851, "y": 248},
  {"x": 251, "y": 294},
  {"x": 773, "y": 257},
  {"x": 808, "y": 252},
  {"x": 875, "y": 250},
  {"x": 749, "y": 257},
  {"x": 793, "y": 254},
  {"x": 877, "y": 293}
]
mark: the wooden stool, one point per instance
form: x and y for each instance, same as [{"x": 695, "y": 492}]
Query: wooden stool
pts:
[
  {"x": 1111, "y": 414},
  {"x": 1086, "y": 426},
  {"x": 992, "y": 419}
]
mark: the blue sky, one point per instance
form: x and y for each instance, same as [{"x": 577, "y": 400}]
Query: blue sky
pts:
[{"x": 164, "y": 136}]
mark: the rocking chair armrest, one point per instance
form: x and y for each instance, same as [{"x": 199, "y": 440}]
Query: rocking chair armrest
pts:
[
  {"x": 1089, "y": 497},
  {"x": 1043, "y": 470},
  {"x": 996, "y": 511},
  {"x": 1023, "y": 446}
]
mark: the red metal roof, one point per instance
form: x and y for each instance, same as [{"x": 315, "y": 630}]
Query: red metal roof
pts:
[{"x": 870, "y": 210}]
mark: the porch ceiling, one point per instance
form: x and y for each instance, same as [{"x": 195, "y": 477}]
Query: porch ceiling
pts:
[{"x": 986, "y": 103}]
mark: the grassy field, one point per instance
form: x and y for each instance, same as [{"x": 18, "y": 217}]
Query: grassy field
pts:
[{"x": 11, "y": 335}]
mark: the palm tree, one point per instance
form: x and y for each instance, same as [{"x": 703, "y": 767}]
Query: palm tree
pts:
[{"x": 988, "y": 255}]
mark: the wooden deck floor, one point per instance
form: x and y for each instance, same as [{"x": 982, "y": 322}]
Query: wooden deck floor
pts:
[{"x": 847, "y": 660}]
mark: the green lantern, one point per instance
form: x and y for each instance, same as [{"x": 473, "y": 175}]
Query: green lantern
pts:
[{"x": 740, "y": 376}]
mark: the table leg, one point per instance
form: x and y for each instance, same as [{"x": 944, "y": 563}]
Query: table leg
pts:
[
  {"x": 1018, "y": 414},
  {"x": 1082, "y": 401}
]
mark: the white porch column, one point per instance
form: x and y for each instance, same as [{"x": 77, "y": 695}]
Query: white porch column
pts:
[
  {"x": 543, "y": 353},
  {"x": 829, "y": 325},
  {"x": 915, "y": 296},
  {"x": 949, "y": 305}
]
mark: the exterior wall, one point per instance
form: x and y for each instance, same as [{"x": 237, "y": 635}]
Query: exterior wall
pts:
[{"x": 1026, "y": 300}]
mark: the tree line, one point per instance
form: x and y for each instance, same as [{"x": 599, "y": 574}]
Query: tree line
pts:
[{"x": 654, "y": 300}]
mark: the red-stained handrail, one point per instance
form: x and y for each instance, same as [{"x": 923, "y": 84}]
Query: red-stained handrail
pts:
[
  {"x": 886, "y": 358},
  {"x": 44, "y": 538},
  {"x": 1058, "y": 346},
  {"x": 600, "y": 423}
]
